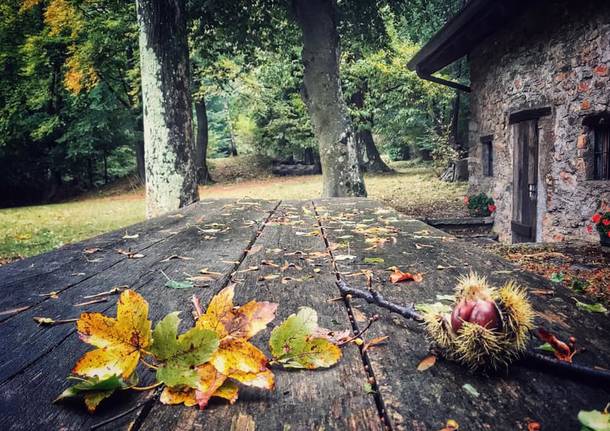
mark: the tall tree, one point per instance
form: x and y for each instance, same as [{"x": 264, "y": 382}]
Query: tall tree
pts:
[
  {"x": 332, "y": 125},
  {"x": 171, "y": 180}
]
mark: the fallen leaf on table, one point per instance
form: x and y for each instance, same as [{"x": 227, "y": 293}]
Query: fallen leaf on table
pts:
[
  {"x": 134, "y": 236},
  {"x": 175, "y": 284},
  {"x": 175, "y": 256},
  {"x": 341, "y": 257},
  {"x": 268, "y": 277},
  {"x": 451, "y": 425},
  {"x": 426, "y": 363},
  {"x": 114, "y": 291},
  {"x": 359, "y": 315},
  {"x": 52, "y": 295},
  {"x": 47, "y": 321},
  {"x": 316, "y": 270},
  {"x": 436, "y": 308},
  {"x": 94, "y": 390},
  {"x": 373, "y": 260},
  {"x": 294, "y": 343},
  {"x": 420, "y": 246},
  {"x": 255, "y": 249},
  {"x": 368, "y": 388},
  {"x": 181, "y": 354},
  {"x": 130, "y": 254},
  {"x": 561, "y": 350},
  {"x": 398, "y": 276},
  {"x": 595, "y": 420},
  {"x": 591, "y": 308},
  {"x": 450, "y": 298},
  {"x": 471, "y": 390},
  {"x": 207, "y": 272},
  {"x": 533, "y": 426},
  {"x": 373, "y": 342},
  {"x": 91, "y": 250},
  {"x": 119, "y": 340}
]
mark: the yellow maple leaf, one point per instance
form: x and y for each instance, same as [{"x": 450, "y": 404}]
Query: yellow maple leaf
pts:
[
  {"x": 119, "y": 340},
  {"x": 237, "y": 358}
]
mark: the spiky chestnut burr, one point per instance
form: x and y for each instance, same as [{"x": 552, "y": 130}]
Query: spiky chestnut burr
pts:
[{"x": 487, "y": 328}]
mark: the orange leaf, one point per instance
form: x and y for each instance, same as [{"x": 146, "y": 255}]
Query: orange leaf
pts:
[
  {"x": 374, "y": 342},
  {"x": 533, "y": 426},
  {"x": 426, "y": 363},
  {"x": 562, "y": 351},
  {"x": 397, "y": 276}
]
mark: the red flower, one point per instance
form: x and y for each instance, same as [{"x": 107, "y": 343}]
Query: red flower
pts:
[
  {"x": 491, "y": 208},
  {"x": 609, "y": 234},
  {"x": 589, "y": 228},
  {"x": 606, "y": 222},
  {"x": 465, "y": 200},
  {"x": 596, "y": 218}
]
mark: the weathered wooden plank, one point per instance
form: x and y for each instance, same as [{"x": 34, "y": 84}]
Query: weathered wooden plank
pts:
[
  {"x": 69, "y": 265},
  {"x": 41, "y": 375},
  {"x": 302, "y": 400},
  {"x": 425, "y": 400}
]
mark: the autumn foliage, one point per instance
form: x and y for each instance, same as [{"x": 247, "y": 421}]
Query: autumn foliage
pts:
[{"x": 208, "y": 360}]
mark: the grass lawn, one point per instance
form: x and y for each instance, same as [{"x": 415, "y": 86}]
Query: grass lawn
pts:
[{"x": 28, "y": 231}]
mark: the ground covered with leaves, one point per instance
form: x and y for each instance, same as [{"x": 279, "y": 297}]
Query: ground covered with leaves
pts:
[{"x": 581, "y": 267}]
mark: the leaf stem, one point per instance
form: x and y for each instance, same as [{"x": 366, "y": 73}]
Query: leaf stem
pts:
[
  {"x": 149, "y": 365},
  {"x": 146, "y": 388}
]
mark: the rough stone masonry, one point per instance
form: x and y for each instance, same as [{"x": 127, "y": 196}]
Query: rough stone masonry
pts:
[{"x": 555, "y": 55}]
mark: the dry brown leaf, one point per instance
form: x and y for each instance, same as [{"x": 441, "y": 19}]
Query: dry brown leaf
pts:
[
  {"x": 426, "y": 363},
  {"x": 91, "y": 250},
  {"x": 359, "y": 315},
  {"x": 374, "y": 342}
]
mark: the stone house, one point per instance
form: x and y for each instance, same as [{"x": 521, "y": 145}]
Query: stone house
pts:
[{"x": 539, "y": 110}]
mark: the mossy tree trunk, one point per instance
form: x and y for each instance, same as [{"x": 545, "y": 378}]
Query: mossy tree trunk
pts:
[
  {"x": 332, "y": 126},
  {"x": 171, "y": 179}
]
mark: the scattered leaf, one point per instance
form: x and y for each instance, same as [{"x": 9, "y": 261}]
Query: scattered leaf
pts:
[
  {"x": 368, "y": 388},
  {"x": 562, "y": 351},
  {"x": 436, "y": 308},
  {"x": 119, "y": 340},
  {"x": 591, "y": 308},
  {"x": 451, "y": 425},
  {"x": 450, "y": 298},
  {"x": 342, "y": 257},
  {"x": 93, "y": 389},
  {"x": 398, "y": 276},
  {"x": 174, "y": 284},
  {"x": 420, "y": 246},
  {"x": 114, "y": 291},
  {"x": 294, "y": 343},
  {"x": 557, "y": 277},
  {"x": 595, "y": 420},
  {"x": 134, "y": 236},
  {"x": 373, "y": 342},
  {"x": 91, "y": 250},
  {"x": 426, "y": 363},
  {"x": 373, "y": 260},
  {"x": 175, "y": 256},
  {"x": 533, "y": 426},
  {"x": 471, "y": 390},
  {"x": 546, "y": 347},
  {"x": 47, "y": 321}
]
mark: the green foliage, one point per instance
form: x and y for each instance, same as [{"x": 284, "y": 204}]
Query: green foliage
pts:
[{"x": 480, "y": 205}]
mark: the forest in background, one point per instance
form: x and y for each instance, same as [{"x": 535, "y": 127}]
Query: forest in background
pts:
[{"x": 70, "y": 97}]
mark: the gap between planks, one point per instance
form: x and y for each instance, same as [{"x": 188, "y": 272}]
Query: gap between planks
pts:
[
  {"x": 147, "y": 405},
  {"x": 368, "y": 369}
]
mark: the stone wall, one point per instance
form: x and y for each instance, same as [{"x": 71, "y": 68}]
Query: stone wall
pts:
[{"x": 557, "y": 55}]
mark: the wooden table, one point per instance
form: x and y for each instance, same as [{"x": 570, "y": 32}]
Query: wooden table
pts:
[{"x": 34, "y": 360}]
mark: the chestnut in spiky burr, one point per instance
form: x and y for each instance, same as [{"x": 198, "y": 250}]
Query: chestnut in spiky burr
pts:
[{"x": 487, "y": 328}]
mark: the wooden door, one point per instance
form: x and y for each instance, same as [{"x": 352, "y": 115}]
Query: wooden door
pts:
[{"x": 525, "y": 180}]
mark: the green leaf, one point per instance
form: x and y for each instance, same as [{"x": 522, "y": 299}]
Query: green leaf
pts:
[
  {"x": 94, "y": 390},
  {"x": 298, "y": 343},
  {"x": 450, "y": 298},
  {"x": 591, "y": 308},
  {"x": 181, "y": 354},
  {"x": 174, "y": 284},
  {"x": 595, "y": 420},
  {"x": 471, "y": 390},
  {"x": 546, "y": 347},
  {"x": 368, "y": 388},
  {"x": 436, "y": 308},
  {"x": 373, "y": 260},
  {"x": 557, "y": 277}
]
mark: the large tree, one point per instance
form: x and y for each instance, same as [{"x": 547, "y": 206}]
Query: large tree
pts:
[
  {"x": 171, "y": 180},
  {"x": 332, "y": 125}
]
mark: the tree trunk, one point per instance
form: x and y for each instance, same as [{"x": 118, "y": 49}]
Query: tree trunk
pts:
[
  {"x": 370, "y": 159},
  {"x": 322, "y": 94},
  {"x": 140, "y": 160},
  {"x": 171, "y": 178},
  {"x": 201, "y": 146},
  {"x": 232, "y": 145},
  {"x": 454, "y": 137}
]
